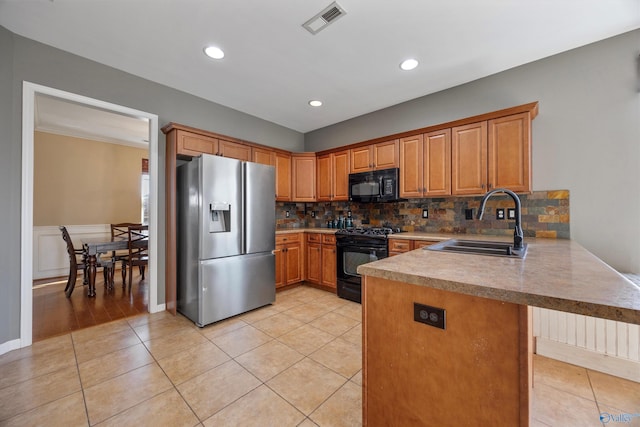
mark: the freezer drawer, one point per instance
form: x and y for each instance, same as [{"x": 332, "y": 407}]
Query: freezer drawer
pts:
[{"x": 234, "y": 285}]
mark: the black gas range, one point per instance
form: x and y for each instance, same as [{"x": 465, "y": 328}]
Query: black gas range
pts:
[{"x": 357, "y": 246}]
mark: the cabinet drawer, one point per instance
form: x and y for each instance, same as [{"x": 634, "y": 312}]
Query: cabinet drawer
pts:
[
  {"x": 399, "y": 245},
  {"x": 313, "y": 238},
  {"x": 287, "y": 238},
  {"x": 328, "y": 239},
  {"x": 417, "y": 244}
]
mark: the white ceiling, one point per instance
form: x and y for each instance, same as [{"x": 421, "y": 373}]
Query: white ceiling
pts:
[
  {"x": 273, "y": 66},
  {"x": 62, "y": 117}
]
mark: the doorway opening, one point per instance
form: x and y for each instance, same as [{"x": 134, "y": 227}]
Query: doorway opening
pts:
[{"x": 30, "y": 91}]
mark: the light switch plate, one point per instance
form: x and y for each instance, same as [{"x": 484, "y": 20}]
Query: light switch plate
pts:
[
  {"x": 511, "y": 213},
  {"x": 425, "y": 213}
]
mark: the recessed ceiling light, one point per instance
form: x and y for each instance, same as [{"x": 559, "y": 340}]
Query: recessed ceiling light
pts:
[
  {"x": 214, "y": 52},
  {"x": 409, "y": 64},
  {"x": 315, "y": 103}
]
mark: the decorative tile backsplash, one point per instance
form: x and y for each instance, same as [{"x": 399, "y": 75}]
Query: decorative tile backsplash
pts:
[{"x": 544, "y": 214}]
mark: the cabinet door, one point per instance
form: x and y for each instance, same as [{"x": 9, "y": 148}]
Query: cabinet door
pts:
[
  {"x": 510, "y": 153},
  {"x": 193, "y": 144},
  {"x": 437, "y": 163},
  {"x": 294, "y": 262},
  {"x": 234, "y": 150},
  {"x": 361, "y": 159},
  {"x": 280, "y": 265},
  {"x": 469, "y": 159},
  {"x": 314, "y": 263},
  {"x": 411, "y": 166},
  {"x": 386, "y": 154},
  {"x": 265, "y": 157},
  {"x": 324, "y": 180},
  {"x": 304, "y": 178},
  {"x": 329, "y": 273},
  {"x": 340, "y": 189},
  {"x": 283, "y": 177}
]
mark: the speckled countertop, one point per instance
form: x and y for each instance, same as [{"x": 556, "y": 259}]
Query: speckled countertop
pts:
[
  {"x": 557, "y": 274},
  {"x": 306, "y": 230}
]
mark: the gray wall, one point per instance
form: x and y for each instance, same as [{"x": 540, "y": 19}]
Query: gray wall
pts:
[
  {"x": 27, "y": 60},
  {"x": 586, "y": 137}
]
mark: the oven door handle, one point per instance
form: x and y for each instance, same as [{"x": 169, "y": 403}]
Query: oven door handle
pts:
[{"x": 364, "y": 248}]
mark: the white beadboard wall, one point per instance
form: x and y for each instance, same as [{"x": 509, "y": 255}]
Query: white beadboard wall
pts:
[
  {"x": 50, "y": 251},
  {"x": 602, "y": 345}
]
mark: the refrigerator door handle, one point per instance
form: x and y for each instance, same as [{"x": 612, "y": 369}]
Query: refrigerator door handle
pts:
[{"x": 243, "y": 228}]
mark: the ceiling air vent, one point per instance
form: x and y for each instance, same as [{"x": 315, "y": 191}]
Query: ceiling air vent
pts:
[{"x": 330, "y": 14}]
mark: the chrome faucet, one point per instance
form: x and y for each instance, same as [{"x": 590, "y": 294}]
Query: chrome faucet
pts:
[{"x": 518, "y": 236}]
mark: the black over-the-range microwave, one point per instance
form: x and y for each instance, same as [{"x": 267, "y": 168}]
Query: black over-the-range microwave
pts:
[{"x": 375, "y": 186}]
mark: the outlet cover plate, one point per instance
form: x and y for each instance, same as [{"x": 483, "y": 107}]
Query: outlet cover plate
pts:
[{"x": 432, "y": 316}]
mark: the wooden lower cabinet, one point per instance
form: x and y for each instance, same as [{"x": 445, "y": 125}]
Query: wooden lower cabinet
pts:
[
  {"x": 476, "y": 371},
  {"x": 321, "y": 259},
  {"x": 289, "y": 259},
  {"x": 400, "y": 246}
]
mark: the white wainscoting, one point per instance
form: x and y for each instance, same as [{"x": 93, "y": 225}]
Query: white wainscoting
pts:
[
  {"x": 602, "y": 345},
  {"x": 50, "y": 251}
]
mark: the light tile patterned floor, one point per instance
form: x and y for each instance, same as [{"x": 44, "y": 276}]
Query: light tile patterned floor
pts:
[{"x": 295, "y": 363}]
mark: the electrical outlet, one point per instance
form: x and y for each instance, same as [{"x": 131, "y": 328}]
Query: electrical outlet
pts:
[
  {"x": 432, "y": 316},
  {"x": 313, "y": 214},
  {"x": 500, "y": 213},
  {"x": 468, "y": 214},
  {"x": 348, "y": 214},
  {"x": 425, "y": 213},
  {"x": 511, "y": 213},
  {"x": 286, "y": 214}
]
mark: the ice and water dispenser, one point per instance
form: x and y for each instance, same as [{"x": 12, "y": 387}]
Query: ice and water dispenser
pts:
[{"x": 220, "y": 220}]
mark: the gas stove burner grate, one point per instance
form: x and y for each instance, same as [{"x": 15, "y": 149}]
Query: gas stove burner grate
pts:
[{"x": 369, "y": 231}]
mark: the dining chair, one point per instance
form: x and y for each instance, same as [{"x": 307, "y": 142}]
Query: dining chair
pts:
[
  {"x": 121, "y": 231},
  {"x": 78, "y": 261},
  {"x": 138, "y": 249}
]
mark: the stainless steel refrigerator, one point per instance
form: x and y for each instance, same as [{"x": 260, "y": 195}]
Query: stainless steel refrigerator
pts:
[{"x": 226, "y": 237}]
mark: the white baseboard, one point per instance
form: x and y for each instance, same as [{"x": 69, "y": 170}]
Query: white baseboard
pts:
[
  {"x": 158, "y": 308},
  {"x": 617, "y": 366},
  {"x": 6, "y": 347}
]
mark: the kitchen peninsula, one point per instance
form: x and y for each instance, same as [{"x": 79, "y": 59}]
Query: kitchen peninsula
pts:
[{"x": 477, "y": 370}]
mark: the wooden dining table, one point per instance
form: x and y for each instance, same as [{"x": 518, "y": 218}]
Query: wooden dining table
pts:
[{"x": 93, "y": 247}]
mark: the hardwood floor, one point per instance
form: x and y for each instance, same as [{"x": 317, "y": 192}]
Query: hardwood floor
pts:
[{"x": 55, "y": 314}]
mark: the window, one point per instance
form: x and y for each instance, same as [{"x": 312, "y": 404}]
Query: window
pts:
[{"x": 144, "y": 191}]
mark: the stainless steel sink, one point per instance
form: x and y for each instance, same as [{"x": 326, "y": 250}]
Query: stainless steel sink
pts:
[{"x": 479, "y": 247}]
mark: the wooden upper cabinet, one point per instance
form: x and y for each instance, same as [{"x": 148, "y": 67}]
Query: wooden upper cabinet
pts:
[
  {"x": 340, "y": 175},
  {"x": 383, "y": 155},
  {"x": 510, "y": 153},
  {"x": 469, "y": 159},
  {"x": 425, "y": 164},
  {"x": 333, "y": 176},
  {"x": 411, "y": 166},
  {"x": 283, "y": 177},
  {"x": 436, "y": 160},
  {"x": 325, "y": 172},
  {"x": 303, "y": 177},
  {"x": 263, "y": 156},
  {"x": 361, "y": 159},
  {"x": 386, "y": 154},
  {"x": 234, "y": 150},
  {"x": 492, "y": 154},
  {"x": 193, "y": 144}
]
